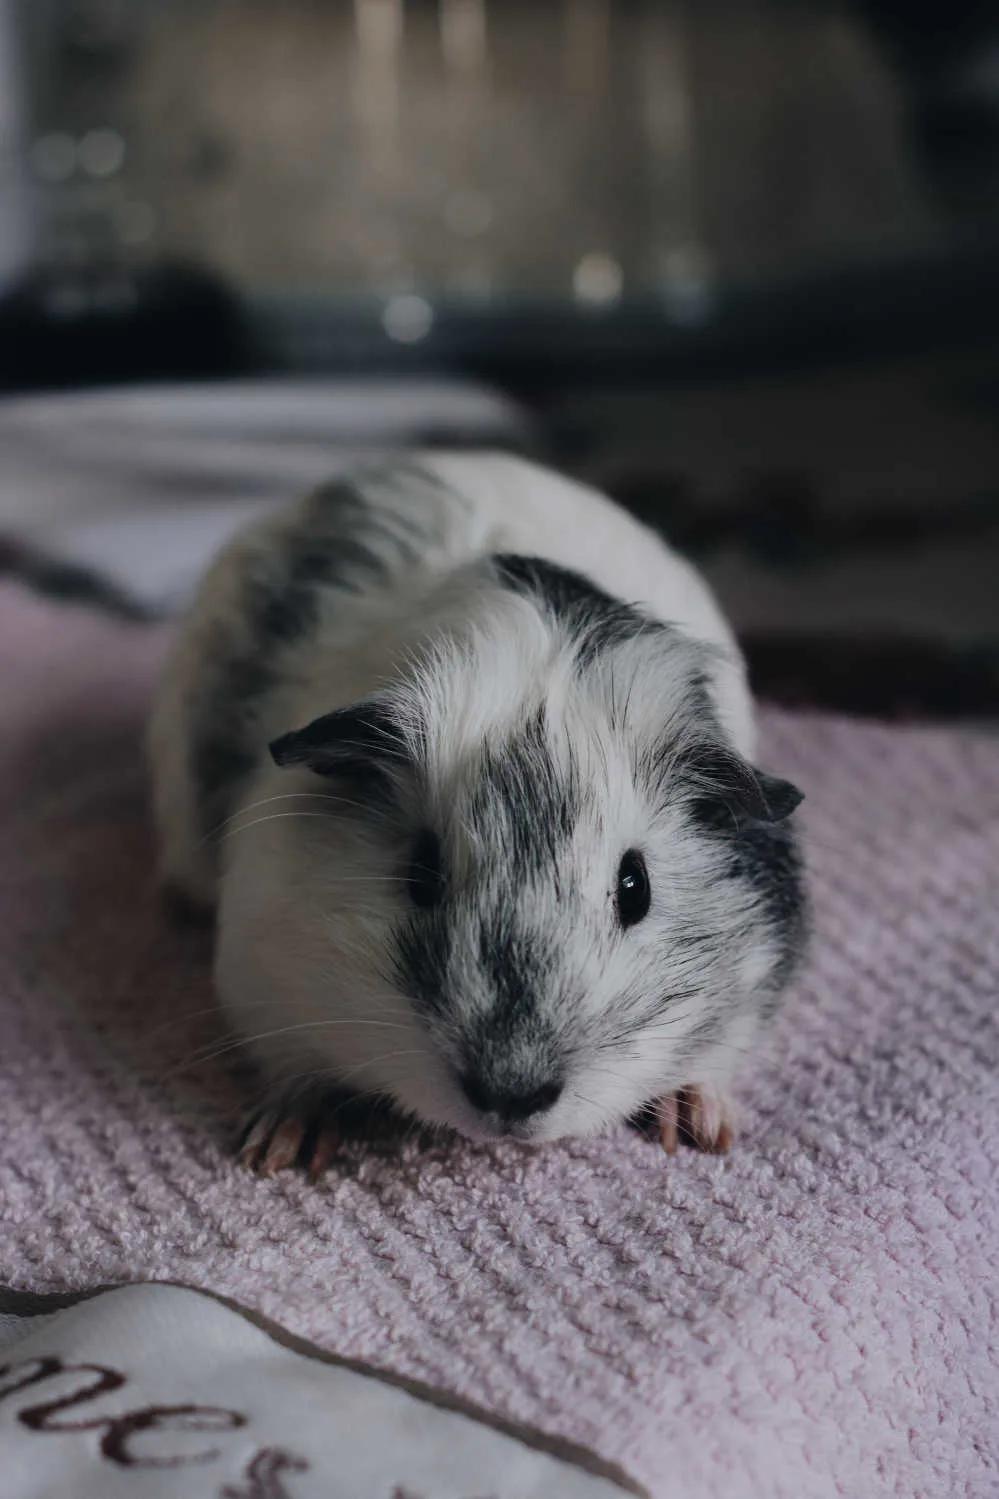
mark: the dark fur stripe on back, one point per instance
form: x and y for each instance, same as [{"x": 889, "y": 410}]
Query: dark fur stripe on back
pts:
[
  {"x": 597, "y": 620},
  {"x": 341, "y": 545}
]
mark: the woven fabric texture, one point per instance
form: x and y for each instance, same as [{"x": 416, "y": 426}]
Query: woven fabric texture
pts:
[{"x": 813, "y": 1315}]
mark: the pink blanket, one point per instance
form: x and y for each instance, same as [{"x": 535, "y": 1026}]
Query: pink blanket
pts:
[{"x": 814, "y": 1315}]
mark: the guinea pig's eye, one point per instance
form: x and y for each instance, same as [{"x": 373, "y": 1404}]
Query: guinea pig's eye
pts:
[
  {"x": 425, "y": 875},
  {"x": 633, "y": 892}
]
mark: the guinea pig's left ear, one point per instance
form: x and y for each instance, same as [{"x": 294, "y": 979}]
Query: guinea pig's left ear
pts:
[
  {"x": 360, "y": 743},
  {"x": 721, "y": 776}
]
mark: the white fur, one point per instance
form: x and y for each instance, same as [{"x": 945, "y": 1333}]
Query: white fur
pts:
[{"x": 308, "y": 899}]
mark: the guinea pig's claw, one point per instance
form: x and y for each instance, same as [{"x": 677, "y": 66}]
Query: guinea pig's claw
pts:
[
  {"x": 324, "y": 1148},
  {"x": 276, "y": 1140},
  {"x": 706, "y": 1118},
  {"x": 668, "y": 1114},
  {"x": 256, "y": 1134},
  {"x": 700, "y": 1115},
  {"x": 273, "y": 1142},
  {"x": 284, "y": 1148}
]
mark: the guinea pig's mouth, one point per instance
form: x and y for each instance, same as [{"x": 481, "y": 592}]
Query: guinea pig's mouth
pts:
[
  {"x": 500, "y": 1110},
  {"x": 484, "y": 1131},
  {"x": 488, "y": 1104}
]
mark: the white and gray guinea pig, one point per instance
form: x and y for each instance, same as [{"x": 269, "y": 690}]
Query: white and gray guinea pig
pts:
[{"x": 463, "y": 756}]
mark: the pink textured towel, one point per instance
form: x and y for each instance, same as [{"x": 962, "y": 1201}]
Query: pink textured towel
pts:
[{"x": 814, "y": 1315}]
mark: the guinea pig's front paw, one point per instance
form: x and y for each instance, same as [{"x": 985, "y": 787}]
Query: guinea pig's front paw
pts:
[
  {"x": 277, "y": 1138},
  {"x": 700, "y": 1115}
]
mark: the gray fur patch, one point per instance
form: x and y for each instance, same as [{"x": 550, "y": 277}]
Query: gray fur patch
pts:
[
  {"x": 596, "y": 621},
  {"x": 345, "y": 543},
  {"x": 525, "y": 802}
]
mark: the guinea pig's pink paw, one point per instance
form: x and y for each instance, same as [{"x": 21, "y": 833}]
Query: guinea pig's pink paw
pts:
[
  {"x": 276, "y": 1139},
  {"x": 700, "y": 1115}
]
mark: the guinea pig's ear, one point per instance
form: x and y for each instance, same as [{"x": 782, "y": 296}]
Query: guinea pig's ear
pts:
[
  {"x": 361, "y": 743},
  {"x": 724, "y": 780}
]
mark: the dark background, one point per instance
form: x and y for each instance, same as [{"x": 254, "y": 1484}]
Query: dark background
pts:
[{"x": 737, "y": 259}]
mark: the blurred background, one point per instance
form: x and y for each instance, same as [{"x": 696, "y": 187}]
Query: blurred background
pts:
[{"x": 737, "y": 261}]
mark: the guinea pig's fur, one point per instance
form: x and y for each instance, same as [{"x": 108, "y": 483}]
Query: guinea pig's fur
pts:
[{"x": 408, "y": 733}]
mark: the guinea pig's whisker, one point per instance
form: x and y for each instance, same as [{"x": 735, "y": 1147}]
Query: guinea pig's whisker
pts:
[
  {"x": 270, "y": 817},
  {"x": 666, "y": 1021},
  {"x": 344, "y": 944},
  {"x": 279, "y": 796},
  {"x": 216, "y": 1011},
  {"x": 356, "y": 1098},
  {"x": 618, "y": 1077},
  {"x": 283, "y": 796},
  {"x": 380, "y": 1000},
  {"x": 731, "y": 1049},
  {"x": 384, "y": 1004},
  {"x": 203, "y": 1055},
  {"x": 309, "y": 1087},
  {"x": 386, "y": 1056},
  {"x": 176, "y": 1021}
]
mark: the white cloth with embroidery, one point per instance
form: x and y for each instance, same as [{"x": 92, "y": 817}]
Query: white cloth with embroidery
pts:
[{"x": 157, "y": 1392}]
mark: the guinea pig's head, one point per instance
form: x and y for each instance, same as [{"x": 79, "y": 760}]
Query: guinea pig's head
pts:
[{"x": 557, "y": 891}]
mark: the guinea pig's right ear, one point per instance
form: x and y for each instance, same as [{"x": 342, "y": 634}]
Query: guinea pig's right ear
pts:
[
  {"x": 726, "y": 781},
  {"x": 361, "y": 743}
]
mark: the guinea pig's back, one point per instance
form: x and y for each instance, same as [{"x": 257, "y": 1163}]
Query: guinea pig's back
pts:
[{"x": 521, "y": 507}]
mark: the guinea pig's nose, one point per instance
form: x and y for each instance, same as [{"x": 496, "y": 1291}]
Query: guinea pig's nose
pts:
[{"x": 510, "y": 1103}]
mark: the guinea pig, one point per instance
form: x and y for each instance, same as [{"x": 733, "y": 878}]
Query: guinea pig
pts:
[{"x": 462, "y": 756}]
